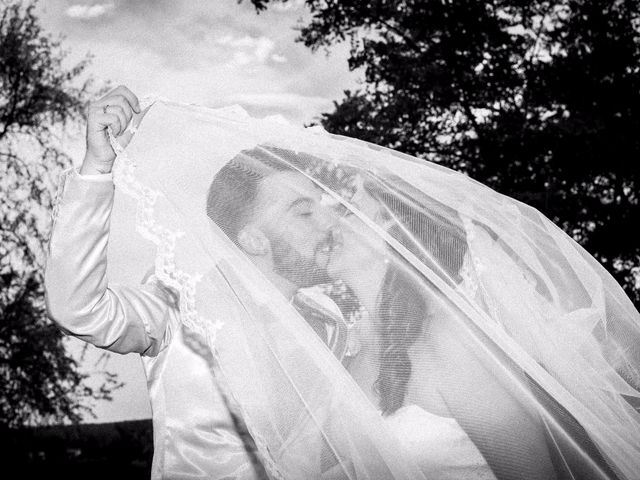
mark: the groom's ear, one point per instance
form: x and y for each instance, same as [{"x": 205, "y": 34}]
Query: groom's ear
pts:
[{"x": 253, "y": 241}]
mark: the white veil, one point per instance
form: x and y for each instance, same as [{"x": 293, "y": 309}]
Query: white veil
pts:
[{"x": 483, "y": 316}]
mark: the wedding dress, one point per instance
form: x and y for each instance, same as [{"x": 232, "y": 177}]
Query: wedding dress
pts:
[
  {"x": 466, "y": 336},
  {"x": 438, "y": 444}
]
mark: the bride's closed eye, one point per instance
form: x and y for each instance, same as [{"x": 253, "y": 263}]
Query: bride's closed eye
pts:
[{"x": 339, "y": 209}]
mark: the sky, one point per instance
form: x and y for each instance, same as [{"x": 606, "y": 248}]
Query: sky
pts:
[{"x": 208, "y": 52}]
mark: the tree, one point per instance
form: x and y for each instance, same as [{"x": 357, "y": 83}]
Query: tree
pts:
[
  {"x": 538, "y": 99},
  {"x": 41, "y": 382}
]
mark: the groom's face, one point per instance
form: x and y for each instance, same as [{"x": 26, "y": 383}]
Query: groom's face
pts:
[{"x": 301, "y": 231}]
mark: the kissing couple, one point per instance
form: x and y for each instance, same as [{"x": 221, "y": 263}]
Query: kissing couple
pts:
[{"x": 326, "y": 308}]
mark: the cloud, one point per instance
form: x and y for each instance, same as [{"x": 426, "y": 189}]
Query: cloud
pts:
[
  {"x": 278, "y": 58},
  {"x": 290, "y": 5},
  {"x": 87, "y": 12},
  {"x": 248, "y": 49},
  {"x": 277, "y": 100},
  {"x": 295, "y": 108}
]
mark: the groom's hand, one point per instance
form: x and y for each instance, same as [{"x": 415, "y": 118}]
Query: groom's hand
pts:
[{"x": 114, "y": 110}]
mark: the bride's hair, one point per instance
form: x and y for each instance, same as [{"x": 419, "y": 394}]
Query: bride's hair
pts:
[
  {"x": 401, "y": 316},
  {"x": 403, "y": 306}
]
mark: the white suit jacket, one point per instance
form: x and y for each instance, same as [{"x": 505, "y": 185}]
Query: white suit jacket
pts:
[{"x": 193, "y": 431}]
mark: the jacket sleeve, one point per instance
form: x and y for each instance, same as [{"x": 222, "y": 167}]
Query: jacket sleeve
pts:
[{"x": 79, "y": 297}]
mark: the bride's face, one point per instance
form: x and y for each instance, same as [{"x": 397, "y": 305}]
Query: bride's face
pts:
[{"x": 361, "y": 246}]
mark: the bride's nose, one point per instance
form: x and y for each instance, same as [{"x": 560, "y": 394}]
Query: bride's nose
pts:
[
  {"x": 335, "y": 234},
  {"x": 327, "y": 219}
]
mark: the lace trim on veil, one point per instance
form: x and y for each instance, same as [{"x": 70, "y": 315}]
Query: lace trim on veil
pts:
[{"x": 166, "y": 271}]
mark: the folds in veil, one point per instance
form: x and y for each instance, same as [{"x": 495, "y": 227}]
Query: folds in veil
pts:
[{"x": 372, "y": 315}]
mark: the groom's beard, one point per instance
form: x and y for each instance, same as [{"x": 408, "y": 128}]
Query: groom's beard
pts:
[{"x": 299, "y": 270}]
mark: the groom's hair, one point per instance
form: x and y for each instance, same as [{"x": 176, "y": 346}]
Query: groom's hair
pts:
[{"x": 232, "y": 194}]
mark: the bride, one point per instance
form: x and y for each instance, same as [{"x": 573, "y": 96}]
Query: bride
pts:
[
  {"x": 417, "y": 363},
  {"x": 419, "y": 368}
]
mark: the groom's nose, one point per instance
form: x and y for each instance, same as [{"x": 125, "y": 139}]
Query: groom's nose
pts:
[{"x": 327, "y": 219}]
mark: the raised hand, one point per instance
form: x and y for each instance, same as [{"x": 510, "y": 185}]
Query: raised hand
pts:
[{"x": 115, "y": 110}]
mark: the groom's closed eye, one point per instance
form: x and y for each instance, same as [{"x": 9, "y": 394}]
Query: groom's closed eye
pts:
[{"x": 302, "y": 207}]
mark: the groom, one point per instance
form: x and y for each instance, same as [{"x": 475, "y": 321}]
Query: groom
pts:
[
  {"x": 274, "y": 214},
  {"x": 195, "y": 435}
]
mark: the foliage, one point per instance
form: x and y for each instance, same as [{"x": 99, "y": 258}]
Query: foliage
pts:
[
  {"x": 100, "y": 451},
  {"x": 538, "y": 99},
  {"x": 41, "y": 382}
]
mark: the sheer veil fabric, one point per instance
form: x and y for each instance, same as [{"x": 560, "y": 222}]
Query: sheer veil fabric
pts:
[{"x": 373, "y": 315}]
